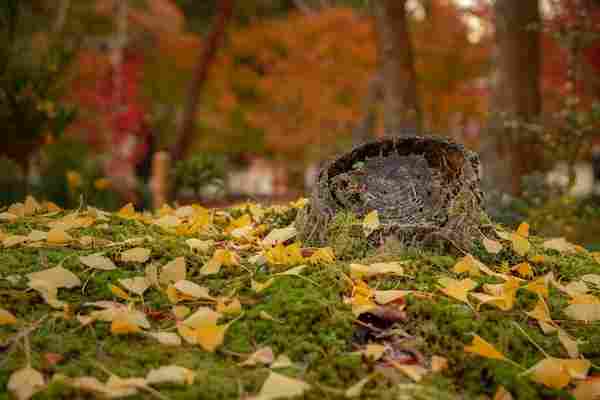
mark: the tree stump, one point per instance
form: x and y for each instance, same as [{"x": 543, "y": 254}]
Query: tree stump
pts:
[{"x": 426, "y": 190}]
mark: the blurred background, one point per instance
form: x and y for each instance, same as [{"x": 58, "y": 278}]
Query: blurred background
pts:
[{"x": 219, "y": 101}]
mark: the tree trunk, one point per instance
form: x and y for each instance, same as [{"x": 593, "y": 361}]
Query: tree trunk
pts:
[
  {"x": 402, "y": 110},
  {"x": 206, "y": 58},
  {"x": 512, "y": 152}
]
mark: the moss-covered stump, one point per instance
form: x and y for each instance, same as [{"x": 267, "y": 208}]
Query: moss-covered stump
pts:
[{"x": 425, "y": 190}]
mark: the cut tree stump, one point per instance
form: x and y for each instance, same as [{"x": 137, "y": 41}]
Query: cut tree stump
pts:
[{"x": 426, "y": 190}]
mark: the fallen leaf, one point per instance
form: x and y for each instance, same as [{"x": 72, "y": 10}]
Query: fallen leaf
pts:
[
  {"x": 523, "y": 229},
  {"x": 568, "y": 343},
  {"x": 180, "y": 312},
  {"x": 267, "y": 317},
  {"x": 467, "y": 264},
  {"x": 520, "y": 244},
  {"x": 323, "y": 255},
  {"x": 25, "y": 382},
  {"x": 556, "y": 373},
  {"x": 137, "y": 254},
  {"x": 230, "y": 306},
  {"x": 166, "y": 338},
  {"x": 192, "y": 289},
  {"x": 31, "y": 206},
  {"x": 173, "y": 374},
  {"x": 202, "y": 316},
  {"x": 367, "y": 271},
  {"x": 259, "y": 287},
  {"x": 389, "y": 296},
  {"x": 7, "y": 216},
  {"x": 58, "y": 236},
  {"x": 457, "y": 289},
  {"x": 98, "y": 261},
  {"x": 14, "y": 240},
  {"x": 7, "y": 318},
  {"x": 560, "y": 244},
  {"x": 583, "y": 312},
  {"x": 277, "y": 236},
  {"x": 137, "y": 285},
  {"x": 168, "y": 221},
  {"x": 439, "y": 364},
  {"x": 211, "y": 336},
  {"x": 201, "y": 246},
  {"x": 524, "y": 269},
  {"x": 173, "y": 271},
  {"x": 120, "y": 293},
  {"x": 413, "y": 371},
  {"x": 594, "y": 279},
  {"x": 57, "y": 276},
  {"x": 278, "y": 386},
  {"x": 263, "y": 355},
  {"x": 53, "y": 358},
  {"x": 502, "y": 394},
  {"x": 492, "y": 246},
  {"x": 480, "y": 347},
  {"x": 37, "y": 236},
  {"x": 371, "y": 223},
  {"x": 588, "y": 389}
]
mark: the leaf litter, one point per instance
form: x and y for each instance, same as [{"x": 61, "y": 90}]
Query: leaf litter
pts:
[{"x": 211, "y": 294}]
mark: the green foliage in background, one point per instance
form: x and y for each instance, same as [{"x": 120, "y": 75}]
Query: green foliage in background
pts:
[
  {"x": 32, "y": 77},
  {"x": 201, "y": 171}
]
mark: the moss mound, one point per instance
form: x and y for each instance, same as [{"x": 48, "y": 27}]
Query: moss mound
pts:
[{"x": 299, "y": 301}]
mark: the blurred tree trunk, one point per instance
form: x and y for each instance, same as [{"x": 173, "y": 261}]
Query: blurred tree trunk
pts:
[
  {"x": 509, "y": 153},
  {"x": 206, "y": 58},
  {"x": 402, "y": 109}
]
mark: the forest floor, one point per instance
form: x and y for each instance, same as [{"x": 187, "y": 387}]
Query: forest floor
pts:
[{"x": 198, "y": 303}]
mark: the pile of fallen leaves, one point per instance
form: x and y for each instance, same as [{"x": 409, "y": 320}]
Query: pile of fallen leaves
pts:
[{"x": 221, "y": 268}]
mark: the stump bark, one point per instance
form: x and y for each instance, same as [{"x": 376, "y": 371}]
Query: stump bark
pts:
[{"x": 425, "y": 189}]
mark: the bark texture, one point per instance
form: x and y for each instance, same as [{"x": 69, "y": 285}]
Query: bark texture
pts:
[
  {"x": 510, "y": 153},
  {"x": 206, "y": 58},
  {"x": 402, "y": 109}
]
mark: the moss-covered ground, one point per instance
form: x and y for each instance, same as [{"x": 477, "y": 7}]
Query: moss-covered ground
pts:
[{"x": 311, "y": 324}]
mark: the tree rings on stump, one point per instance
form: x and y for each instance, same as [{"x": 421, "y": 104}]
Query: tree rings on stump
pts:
[{"x": 426, "y": 190}]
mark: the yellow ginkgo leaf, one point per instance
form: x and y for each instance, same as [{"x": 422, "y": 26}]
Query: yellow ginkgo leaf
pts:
[
  {"x": 260, "y": 286},
  {"x": 279, "y": 386},
  {"x": 277, "y": 236},
  {"x": 123, "y": 326},
  {"x": 568, "y": 343},
  {"x": 57, "y": 276},
  {"x": 137, "y": 254},
  {"x": 322, "y": 256},
  {"x": 520, "y": 244},
  {"x": 211, "y": 336},
  {"x": 137, "y": 285},
  {"x": 98, "y": 261},
  {"x": 192, "y": 289},
  {"x": 480, "y": 347},
  {"x": 457, "y": 289},
  {"x": 173, "y": 374},
  {"x": 173, "y": 271},
  {"x": 371, "y": 223},
  {"x": 127, "y": 211},
  {"x": 556, "y": 373},
  {"x": 120, "y": 293},
  {"x": 7, "y": 318},
  {"x": 467, "y": 264},
  {"x": 58, "y": 236},
  {"x": 523, "y": 229},
  {"x": 539, "y": 286},
  {"x": 25, "y": 382},
  {"x": 492, "y": 246},
  {"x": 583, "y": 312},
  {"x": 201, "y": 246},
  {"x": 230, "y": 306},
  {"x": 524, "y": 269},
  {"x": 166, "y": 338},
  {"x": 388, "y": 296},
  {"x": 263, "y": 355}
]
